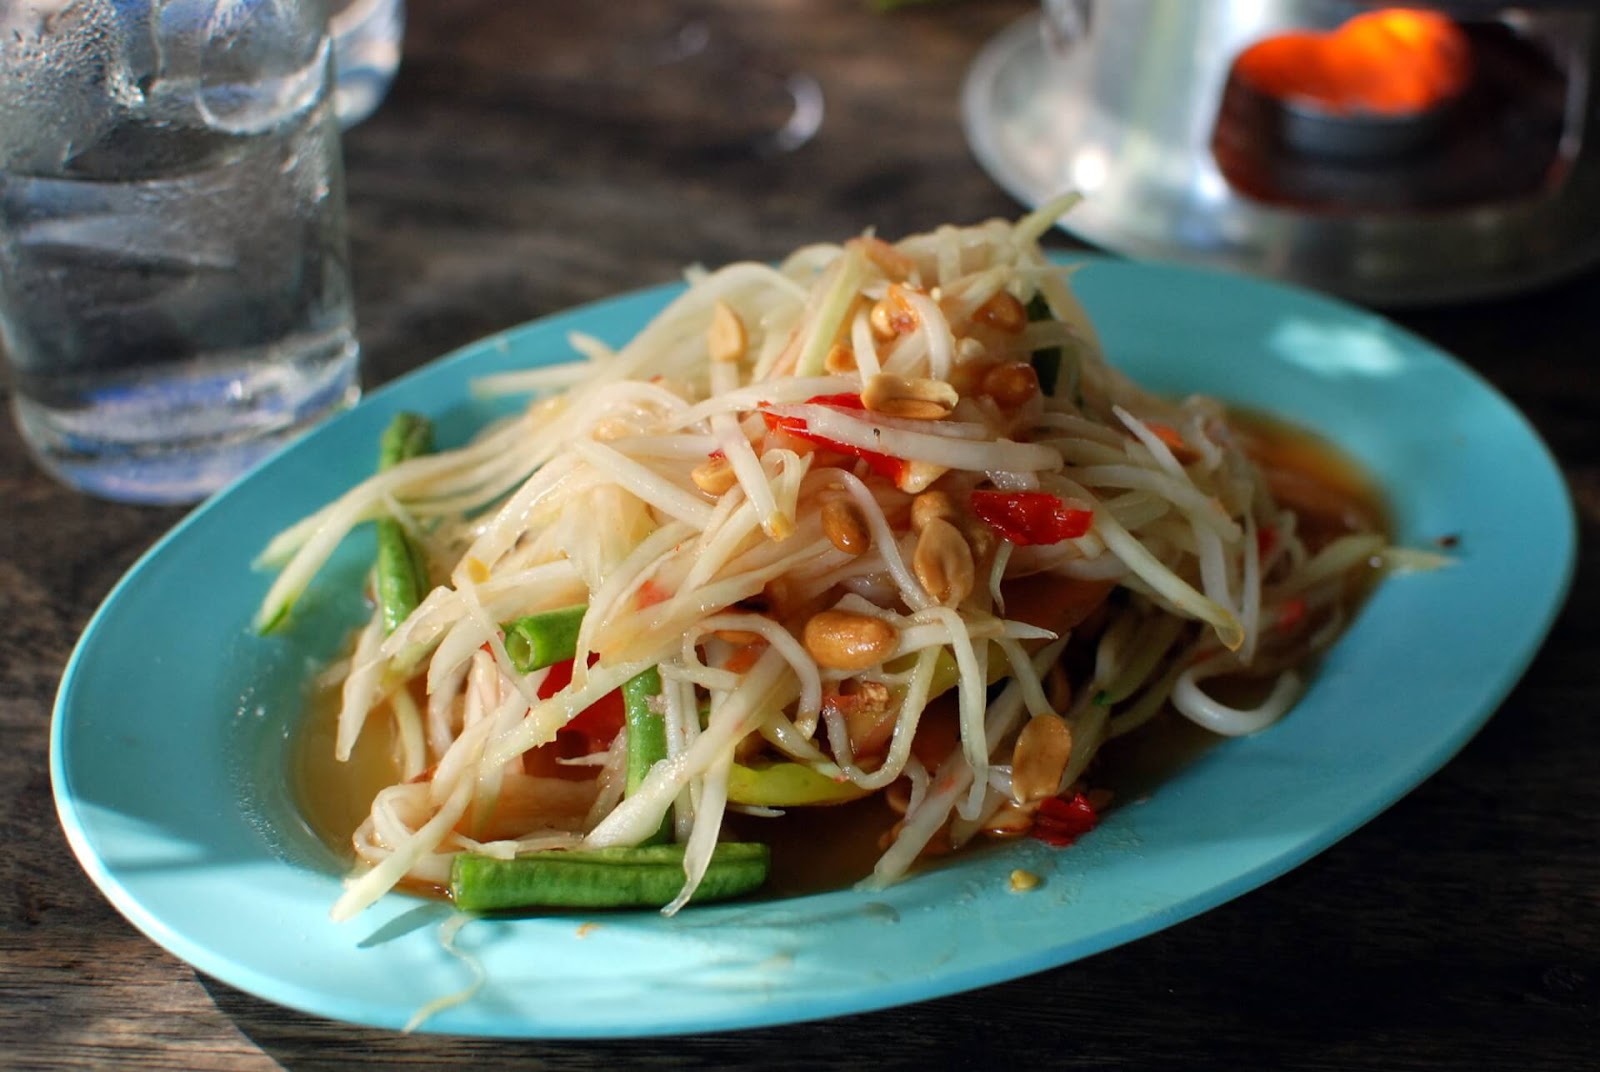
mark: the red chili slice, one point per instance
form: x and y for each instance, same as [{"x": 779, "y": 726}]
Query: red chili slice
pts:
[
  {"x": 1030, "y": 517},
  {"x": 592, "y": 729},
  {"x": 650, "y": 593},
  {"x": 1266, "y": 540},
  {"x": 1061, "y": 821},
  {"x": 1292, "y": 613},
  {"x": 885, "y": 465}
]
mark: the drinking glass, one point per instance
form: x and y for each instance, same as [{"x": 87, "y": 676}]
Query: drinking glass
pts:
[
  {"x": 366, "y": 49},
  {"x": 174, "y": 293}
]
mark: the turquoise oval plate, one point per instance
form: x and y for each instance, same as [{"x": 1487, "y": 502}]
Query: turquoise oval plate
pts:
[{"x": 169, "y": 744}]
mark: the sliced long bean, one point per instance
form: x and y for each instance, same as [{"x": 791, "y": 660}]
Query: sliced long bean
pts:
[
  {"x": 409, "y": 435},
  {"x": 402, "y": 571},
  {"x": 645, "y": 877},
  {"x": 1046, "y": 363},
  {"x": 647, "y": 736},
  {"x": 541, "y": 640}
]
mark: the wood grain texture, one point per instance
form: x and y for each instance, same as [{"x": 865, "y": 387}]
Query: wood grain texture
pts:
[{"x": 531, "y": 158}]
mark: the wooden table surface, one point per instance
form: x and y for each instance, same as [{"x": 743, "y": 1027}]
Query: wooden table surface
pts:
[{"x": 537, "y": 155}]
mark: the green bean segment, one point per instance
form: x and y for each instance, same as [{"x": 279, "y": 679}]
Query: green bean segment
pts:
[
  {"x": 409, "y": 435},
  {"x": 647, "y": 736},
  {"x": 402, "y": 571},
  {"x": 1046, "y": 363},
  {"x": 542, "y": 640},
  {"x": 645, "y": 877}
]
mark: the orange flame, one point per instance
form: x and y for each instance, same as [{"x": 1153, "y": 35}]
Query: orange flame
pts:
[{"x": 1395, "y": 61}]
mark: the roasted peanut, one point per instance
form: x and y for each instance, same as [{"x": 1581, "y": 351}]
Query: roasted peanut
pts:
[
  {"x": 871, "y": 697},
  {"x": 919, "y": 399},
  {"x": 893, "y": 315},
  {"x": 942, "y": 562},
  {"x": 714, "y": 476},
  {"x": 1003, "y": 311},
  {"x": 844, "y": 526},
  {"x": 868, "y": 720},
  {"x": 1011, "y": 384},
  {"x": 840, "y": 358},
  {"x": 981, "y": 540},
  {"x": 1039, "y": 757},
  {"x": 930, "y": 505},
  {"x": 840, "y": 640},
  {"x": 918, "y": 475},
  {"x": 726, "y": 339},
  {"x": 881, "y": 321}
]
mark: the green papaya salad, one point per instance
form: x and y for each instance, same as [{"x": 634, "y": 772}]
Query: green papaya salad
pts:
[{"x": 878, "y": 520}]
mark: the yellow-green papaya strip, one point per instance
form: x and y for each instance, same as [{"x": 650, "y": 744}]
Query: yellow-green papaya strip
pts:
[
  {"x": 787, "y": 785},
  {"x": 946, "y": 674}
]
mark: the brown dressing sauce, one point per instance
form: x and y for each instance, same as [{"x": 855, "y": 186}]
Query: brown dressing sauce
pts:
[
  {"x": 818, "y": 849},
  {"x": 1331, "y": 493},
  {"x": 335, "y": 797}
]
